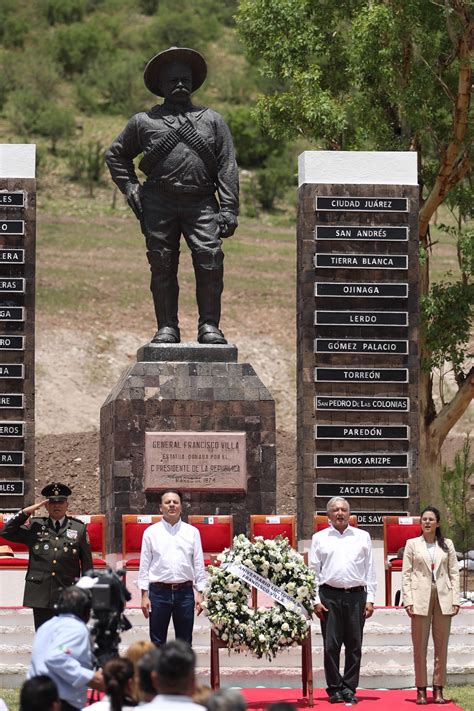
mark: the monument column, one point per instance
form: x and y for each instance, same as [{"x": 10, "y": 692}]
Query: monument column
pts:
[
  {"x": 17, "y": 325},
  {"x": 357, "y": 325}
]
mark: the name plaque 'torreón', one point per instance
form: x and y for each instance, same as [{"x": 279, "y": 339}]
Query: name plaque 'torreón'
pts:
[{"x": 195, "y": 461}]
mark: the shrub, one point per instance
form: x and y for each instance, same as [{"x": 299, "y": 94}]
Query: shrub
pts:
[
  {"x": 86, "y": 163},
  {"x": 252, "y": 145},
  {"x": 64, "y": 11},
  {"x": 79, "y": 45}
]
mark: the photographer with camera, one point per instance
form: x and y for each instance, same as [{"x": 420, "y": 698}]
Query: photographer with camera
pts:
[{"x": 62, "y": 650}]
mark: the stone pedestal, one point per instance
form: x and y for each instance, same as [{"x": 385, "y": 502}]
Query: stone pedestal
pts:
[{"x": 182, "y": 388}]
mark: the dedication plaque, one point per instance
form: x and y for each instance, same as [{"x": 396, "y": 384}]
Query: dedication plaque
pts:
[{"x": 195, "y": 461}]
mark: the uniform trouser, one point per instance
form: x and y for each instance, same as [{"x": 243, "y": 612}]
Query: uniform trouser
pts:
[
  {"x": 167, "y": 603},
  {"x": 167, "y": 216},
  {"x": 420, "y": 630},
  {"x": 342, "y": 624},
  {"x": 42, "y": 614}
]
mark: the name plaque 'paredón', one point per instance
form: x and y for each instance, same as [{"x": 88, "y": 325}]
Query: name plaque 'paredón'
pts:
[{"x": 195, "y": 461}]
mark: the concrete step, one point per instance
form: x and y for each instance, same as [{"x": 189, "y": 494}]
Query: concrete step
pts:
[{"x": 386, "y": 662}]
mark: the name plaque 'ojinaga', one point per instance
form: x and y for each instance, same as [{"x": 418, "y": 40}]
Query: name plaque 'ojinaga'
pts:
[{"x": 195, "y": 461}]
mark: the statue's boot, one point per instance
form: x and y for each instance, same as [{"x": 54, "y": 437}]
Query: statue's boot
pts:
[
  {"x": 209, "y": 272},
  {"x": 165, "y": 290}
]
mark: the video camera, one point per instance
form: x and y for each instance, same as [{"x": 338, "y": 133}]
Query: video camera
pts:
[{"x": 109, "y": 597}]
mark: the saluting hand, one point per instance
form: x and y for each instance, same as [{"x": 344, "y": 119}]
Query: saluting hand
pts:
[{"x": 34, "y": 507}]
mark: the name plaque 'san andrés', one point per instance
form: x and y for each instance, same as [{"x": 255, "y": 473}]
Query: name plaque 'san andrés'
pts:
[
  {"x": 361, "y": 204},
  {"x": 195, "y": 461},
  {"x": 360, "y": 232}
]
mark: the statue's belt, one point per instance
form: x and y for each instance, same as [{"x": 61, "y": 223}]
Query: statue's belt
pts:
[{"x": 165, "y": 144}]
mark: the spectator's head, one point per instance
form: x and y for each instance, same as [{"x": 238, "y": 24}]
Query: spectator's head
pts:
[
  {"x": 135, "y": 653},
  {"x": 226, "y": 700},
  {"x": 201, "y": 693},
  {"x": 146, "y": 670},
  {"x": 75, "y": 601},
  {"x": 175, "y": 667},
  {"x": 118, "y": 682},
  {"x": 39, "y": 694}
]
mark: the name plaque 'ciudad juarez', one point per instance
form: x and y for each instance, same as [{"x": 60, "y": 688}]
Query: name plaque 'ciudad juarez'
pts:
[{"x": 195, "y": 461}]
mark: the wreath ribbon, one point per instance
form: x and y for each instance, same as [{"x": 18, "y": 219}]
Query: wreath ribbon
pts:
[{"x": 266, "y": 586}]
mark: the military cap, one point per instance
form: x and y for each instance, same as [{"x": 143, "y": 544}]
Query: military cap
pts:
[
  {"x": 195, "y": 60},
  {"x": 56, "y": 492}
]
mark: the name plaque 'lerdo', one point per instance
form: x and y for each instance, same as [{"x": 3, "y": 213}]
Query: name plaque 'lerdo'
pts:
[{"x": 195, "y": 461}]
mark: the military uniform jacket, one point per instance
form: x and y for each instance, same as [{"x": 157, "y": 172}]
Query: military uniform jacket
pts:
[{"x": 56, "y": 559}]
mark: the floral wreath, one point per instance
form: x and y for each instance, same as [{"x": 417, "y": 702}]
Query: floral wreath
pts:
[{"x": 266, "y": 630}]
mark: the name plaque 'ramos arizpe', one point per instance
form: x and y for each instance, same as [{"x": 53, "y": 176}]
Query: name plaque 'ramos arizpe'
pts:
[
  {"x": 361, "y": 375},
  {"x": 361, "y": 318},
  {"x": 12, "y": 343},
  {"x": 373, "y": 432},
  {"x": 195, "y": 461},
  {"x": 12, "y": 227},
  {"x": 362, "y": 233},
  {"x": 12, "y": 199},
  {"x": 359, "y": 290},
  {"x": 361, "y": 204},
  {"x": 12, "y": 256},
  {"x": 382, "y": 490},
  {"x": 12, "y": 401},
  {"x": 14, "y": 487},
  {"x": 357, "y": 403},
  {"x": 14, "y": 371},
  {"x": 359, "y": 345},
  {"x": 360, "y": 261},
  {"x": 12, "y": 459},
  {"x": 358, "y": 460}
]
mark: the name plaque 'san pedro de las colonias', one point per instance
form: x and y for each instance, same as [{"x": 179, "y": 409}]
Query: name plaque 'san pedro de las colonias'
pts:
[{"x": 195, "y": 461}]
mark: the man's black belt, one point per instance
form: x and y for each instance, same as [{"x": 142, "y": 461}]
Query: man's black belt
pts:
[
  {"x": 172, "y": 586},
  {"x": 167, "y": 187},
  {"x": 358, "y": 588}
]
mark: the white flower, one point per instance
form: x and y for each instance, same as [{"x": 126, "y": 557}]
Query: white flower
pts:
[
  {"x": 285, "y": 627},
  {"x": 231, "y": 606},
  {"x": 278, "y": 567},
  {"x": 262, "y": 638}
]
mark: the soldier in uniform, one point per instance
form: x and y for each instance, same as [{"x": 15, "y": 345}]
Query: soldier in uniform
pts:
[
  {"x": 59, "y": 550},
  {"x": 188, "y": 159}
]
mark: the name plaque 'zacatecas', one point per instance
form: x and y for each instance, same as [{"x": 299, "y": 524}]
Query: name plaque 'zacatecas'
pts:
[{"x": 195, "y": 461}]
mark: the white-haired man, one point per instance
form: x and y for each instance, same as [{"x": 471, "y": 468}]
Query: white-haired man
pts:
[{"x": 341, "y": 556}]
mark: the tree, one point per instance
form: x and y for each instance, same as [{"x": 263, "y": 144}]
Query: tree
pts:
[
  {"x": 383, "y": 75},
  {"x": 456, "y": 491}
]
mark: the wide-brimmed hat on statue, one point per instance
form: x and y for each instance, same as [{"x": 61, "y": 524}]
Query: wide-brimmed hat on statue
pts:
[
  {"x": 195, "y": 60},
  {"x": 56, "y": 492}
]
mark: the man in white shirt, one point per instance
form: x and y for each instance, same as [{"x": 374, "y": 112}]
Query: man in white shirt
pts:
[
  {"x": 174, "y": 678},
  {"x": 341, "y": 556},
  {"x": 171, "y": 566}
]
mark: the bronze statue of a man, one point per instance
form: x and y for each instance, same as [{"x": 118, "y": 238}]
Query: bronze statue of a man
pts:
[{"x": 188, "y": 157}]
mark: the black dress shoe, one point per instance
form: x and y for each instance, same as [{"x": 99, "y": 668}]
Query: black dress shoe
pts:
[
  {"x": 349, "y": 697},
  {"x": 336, "y": 698}
]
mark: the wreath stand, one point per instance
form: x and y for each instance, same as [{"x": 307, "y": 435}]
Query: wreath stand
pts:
[{"x": 306, "y": 664}]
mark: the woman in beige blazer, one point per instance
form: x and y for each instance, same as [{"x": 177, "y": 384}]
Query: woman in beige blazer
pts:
[{"x": 430, "y": 586}]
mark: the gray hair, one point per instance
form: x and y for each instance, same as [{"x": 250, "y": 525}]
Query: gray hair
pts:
[
  {"x": 226, "y": 700},
  {"x": 333, "y": 501}
]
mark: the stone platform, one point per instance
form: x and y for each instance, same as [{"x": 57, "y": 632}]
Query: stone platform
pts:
[{"x": 186, "y": 388}]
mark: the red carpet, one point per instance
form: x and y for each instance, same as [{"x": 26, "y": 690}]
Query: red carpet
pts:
[{"x": 369, "y": 700}]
